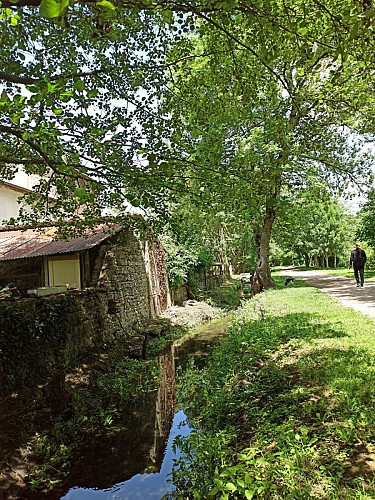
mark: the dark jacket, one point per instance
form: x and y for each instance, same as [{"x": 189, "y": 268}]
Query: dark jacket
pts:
[{"x": 358, "y": 258}]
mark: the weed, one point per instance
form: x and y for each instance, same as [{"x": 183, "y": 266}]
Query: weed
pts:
[{"x": 227, "y": 296}]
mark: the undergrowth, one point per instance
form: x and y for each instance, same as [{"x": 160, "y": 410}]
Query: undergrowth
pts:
[
  {"x": 284, "y": 408},
  {"x": 228, "y": 296}
]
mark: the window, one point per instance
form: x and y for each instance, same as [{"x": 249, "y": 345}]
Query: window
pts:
[{"x": 64, "y": 270}]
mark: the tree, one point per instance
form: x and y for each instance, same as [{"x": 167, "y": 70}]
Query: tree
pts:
[
  {"x": 314, "y": 228},
  {"x": 365, "y": 230},
  {"x": 78, "y": 113},
  {"x": 266, "y": 123},
  {"x": 122, "y": 118}
]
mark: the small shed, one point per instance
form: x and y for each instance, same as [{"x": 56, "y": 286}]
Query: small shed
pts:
[{"x": 40, "y": 264}]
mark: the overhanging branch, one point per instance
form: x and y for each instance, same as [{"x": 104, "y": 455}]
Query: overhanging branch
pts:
[{"x": 32, "y": 81}]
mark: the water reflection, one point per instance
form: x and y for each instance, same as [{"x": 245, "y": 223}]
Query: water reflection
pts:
[
  {"x": 137, "y": 463},
  {"x": 143, "y": 486}
]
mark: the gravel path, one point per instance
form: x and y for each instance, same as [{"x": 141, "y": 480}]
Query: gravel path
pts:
[{"x": 343, "y": 289}]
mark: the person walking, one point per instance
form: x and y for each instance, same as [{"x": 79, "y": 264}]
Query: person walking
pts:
[{"x": 358, "y": 261}]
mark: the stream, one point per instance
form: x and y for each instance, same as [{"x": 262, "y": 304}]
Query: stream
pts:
[{"x": 137, "y": 463}]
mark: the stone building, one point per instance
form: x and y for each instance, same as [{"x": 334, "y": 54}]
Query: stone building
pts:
[
  {"x": 106, "y": 284},
  {"x": 131, "y": 271}
]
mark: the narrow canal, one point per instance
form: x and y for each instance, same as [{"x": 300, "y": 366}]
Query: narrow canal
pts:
[{"x": 137, "y": 463}]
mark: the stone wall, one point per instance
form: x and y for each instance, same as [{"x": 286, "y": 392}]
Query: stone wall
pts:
[
  {"x": 39, "y": 336},
  {"x": 124, "y": 279}
]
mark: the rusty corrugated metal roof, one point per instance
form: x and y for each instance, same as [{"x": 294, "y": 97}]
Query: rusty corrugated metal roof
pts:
[{"x": 35, "y": 243}]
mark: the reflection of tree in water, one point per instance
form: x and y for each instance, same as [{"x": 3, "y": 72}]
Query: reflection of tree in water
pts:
[
  {"x": 138, "y": 448},
  {"x": 142, "y": 446},
  {"x": 165, "y": 404}
]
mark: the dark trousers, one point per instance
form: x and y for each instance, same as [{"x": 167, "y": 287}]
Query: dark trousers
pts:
[{"x": 359, "y": 273}]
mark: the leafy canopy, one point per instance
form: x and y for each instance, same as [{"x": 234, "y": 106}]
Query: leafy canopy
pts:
[{"x": 143, "y": 101}]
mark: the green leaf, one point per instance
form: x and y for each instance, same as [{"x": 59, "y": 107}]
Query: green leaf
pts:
[
  {"x": 80, "y": 193},
  {"x": 248, "y": 478},
  {"x": 167, "y": 16},
  {"x": 249, "y": 494},
  {"x": 51, "y": 9},
  {"x": 58, "y": 112},
  {"x": 79, "y": 85},
  {"x": 106, "y": 4},
  {"x": 135, "y": 202},
  {"x": 230, "y": 487},
  {"x": 16, "y": 119}
]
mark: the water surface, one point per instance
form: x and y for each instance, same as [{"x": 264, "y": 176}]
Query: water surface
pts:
[{"x": 137, "y": 463}]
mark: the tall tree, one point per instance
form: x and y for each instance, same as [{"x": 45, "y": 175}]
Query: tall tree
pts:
[
  {"x": 249, "y": 99},
  {"x": 314, "y": 228},
  {"x": 257, "y": 118}
]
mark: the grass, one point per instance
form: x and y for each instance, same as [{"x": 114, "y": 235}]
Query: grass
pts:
[
  {"x": 286, "y": 405},
  {"x": 345, "y": 272},
  {"x": 227, "y": 296}
]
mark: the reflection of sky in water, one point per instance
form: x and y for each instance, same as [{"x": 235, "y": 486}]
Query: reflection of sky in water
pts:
[{"x": 143, "y": 486}]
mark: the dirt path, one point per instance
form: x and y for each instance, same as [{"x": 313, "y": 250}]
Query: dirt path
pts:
[{"x": 343, "y": 289}]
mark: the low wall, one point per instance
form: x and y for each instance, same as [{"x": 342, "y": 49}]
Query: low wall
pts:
[{"x": 39, "y": 337}]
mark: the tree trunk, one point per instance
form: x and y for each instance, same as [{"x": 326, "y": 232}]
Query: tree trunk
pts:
[
  {"x": 262, "y": 273},
  {"x": 307, "y": 260},
  {"x": 223, "y": 250}
]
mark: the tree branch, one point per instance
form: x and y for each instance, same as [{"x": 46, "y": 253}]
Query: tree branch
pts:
[
  {"x": 44, "y": 158},
  {"x": 30, "y": 81},
  {"x": 247, "y": 47}
]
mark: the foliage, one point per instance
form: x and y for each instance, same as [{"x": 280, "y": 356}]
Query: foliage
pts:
[
  {"x": 72, "y": 99},
  {"x": 104, "y": 105},
  {"x": 159, "y": 345},
  {"x": 182, "y": 261},
  {"x": 97, "y": 410},
  {"x": 254, "y": 136},
  {"x": 194, "y": 239},
  {"x": 313, "y": 228},
  {"x": 31, "y": 341},
  {"x": 280, "y": 409},
  {"x": 226, "y": 296},
  {"x": 366, "y": 227}
]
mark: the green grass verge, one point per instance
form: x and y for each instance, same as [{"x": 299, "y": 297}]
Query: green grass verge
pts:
[
  {"x": 286, "y": 404},
  {"x": 346, "y": 272}
]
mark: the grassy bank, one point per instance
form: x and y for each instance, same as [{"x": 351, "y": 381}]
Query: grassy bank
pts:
[
  {"x": 345, "y": 272},
  {"x": 286, "y": 404}
]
